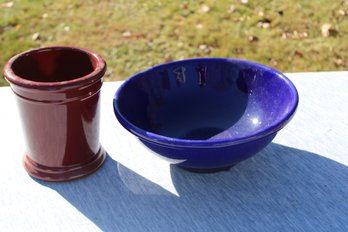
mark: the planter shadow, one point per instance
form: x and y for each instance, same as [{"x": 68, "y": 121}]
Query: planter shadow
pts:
[{"x": 279, "y": 189}]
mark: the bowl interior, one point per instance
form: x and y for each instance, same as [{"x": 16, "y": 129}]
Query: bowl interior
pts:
[{"x": 206, "y": 99}]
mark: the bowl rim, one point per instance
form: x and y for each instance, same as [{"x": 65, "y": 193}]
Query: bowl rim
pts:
[{"x": 170, "y": 141}]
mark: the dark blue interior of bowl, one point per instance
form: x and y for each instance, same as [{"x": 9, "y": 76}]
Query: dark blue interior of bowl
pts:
[{"x": 206, "y": 99}]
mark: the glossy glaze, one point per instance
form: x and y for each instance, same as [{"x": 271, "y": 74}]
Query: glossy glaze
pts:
[
  {"x": 58, "y": 94},
  {"x": 210, "y": 112}
]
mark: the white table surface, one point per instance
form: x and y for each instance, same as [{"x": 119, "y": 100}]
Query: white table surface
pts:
[{"x": 298, "y": 183}]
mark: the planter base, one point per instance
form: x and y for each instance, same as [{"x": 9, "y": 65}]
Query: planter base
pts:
[{"x": 58, "y": 174}]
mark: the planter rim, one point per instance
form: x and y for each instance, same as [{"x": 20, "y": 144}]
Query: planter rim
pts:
[{"x": 95, "y": 75}]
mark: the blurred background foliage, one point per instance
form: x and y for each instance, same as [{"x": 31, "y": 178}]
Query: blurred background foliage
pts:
[{"x": 291, "y": 36}]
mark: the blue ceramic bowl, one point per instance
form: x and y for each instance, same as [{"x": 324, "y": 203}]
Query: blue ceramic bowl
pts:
[{"x": 211, "y": 113}]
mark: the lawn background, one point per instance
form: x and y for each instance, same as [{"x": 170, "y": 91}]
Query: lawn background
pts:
[{"x": 291, "y": 36}]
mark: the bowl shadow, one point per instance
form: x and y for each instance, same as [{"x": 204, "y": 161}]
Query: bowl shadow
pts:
[{"x": 279, "y": 189}]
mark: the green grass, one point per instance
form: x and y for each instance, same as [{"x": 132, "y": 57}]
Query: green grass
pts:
[{"x": 165, "y": 30}]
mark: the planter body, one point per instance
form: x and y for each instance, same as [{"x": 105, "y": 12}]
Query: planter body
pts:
[{"x": 58, "y": 96}]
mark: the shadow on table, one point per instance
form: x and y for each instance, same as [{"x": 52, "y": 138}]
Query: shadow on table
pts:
[{"x": 279, "y": 189}]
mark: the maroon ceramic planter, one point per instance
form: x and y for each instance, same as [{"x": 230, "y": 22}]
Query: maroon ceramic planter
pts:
[{"x": 58, "y": 94}]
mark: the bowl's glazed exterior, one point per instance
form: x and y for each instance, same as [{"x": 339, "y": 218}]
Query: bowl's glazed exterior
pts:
[
  {"x": 209, "y": 113},
  {"x": 58, "y": 95},
  {"x": 210, "y": 158}
]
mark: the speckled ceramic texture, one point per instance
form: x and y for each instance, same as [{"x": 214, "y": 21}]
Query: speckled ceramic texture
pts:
[{"x": 207, "y": 113}]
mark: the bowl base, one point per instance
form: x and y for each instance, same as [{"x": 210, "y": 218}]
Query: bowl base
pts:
[
  {"x": 59, "y": 174},
  {"x": 207, "y": 170}
]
